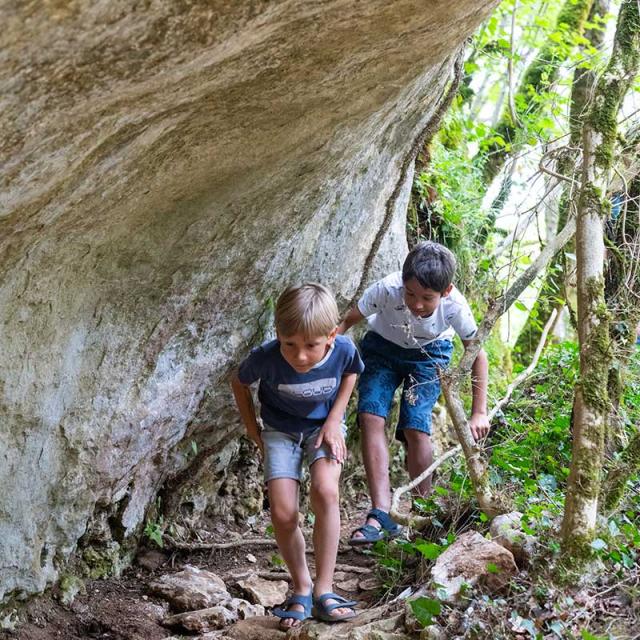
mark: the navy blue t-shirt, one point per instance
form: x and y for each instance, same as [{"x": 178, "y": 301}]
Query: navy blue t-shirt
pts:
[{"x": 298, "y": 402}]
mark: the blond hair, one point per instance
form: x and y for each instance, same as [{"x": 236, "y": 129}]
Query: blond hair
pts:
[{"x": 308, "y": 309}]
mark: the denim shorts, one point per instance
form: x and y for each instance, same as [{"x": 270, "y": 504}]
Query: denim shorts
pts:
[
  {"x": 387, "y": 365},
  {"x": 284, "y": 452}
]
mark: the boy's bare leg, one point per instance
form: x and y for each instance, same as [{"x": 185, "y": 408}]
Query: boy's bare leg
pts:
[
  {"x": 419, "y": 457},
  {"x": 283, "y": 499},
  {"x": 375, "y": 453},
  {"x": 325, "y": 475}
]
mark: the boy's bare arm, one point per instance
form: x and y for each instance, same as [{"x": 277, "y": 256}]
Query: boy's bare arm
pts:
[
  {"x": 479, "y": 423},
  {"x": 353, "y": 317},
  {"x": 331, "y": 432},
  {"x": 244, "y": 400}
]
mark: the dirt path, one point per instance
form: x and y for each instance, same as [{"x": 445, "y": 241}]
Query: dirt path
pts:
[{"x": 125, "y": 609}]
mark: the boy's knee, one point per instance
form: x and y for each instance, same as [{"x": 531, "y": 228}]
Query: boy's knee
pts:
[
  {"x": 414, "y": 438},
  {"x": 284, "y": 519},
  {"x": 371, "y": 421},
  {"x": 324, "y": 494}
]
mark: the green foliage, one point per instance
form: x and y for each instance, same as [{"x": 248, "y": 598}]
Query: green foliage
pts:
[
  {"x": 424, "y": 609},
  {"x": 153, "y": 530},
  {"x": 447, "y": 198},
  {"x": 276, "y": 561},
  {"x": 619, "y": 543},
  {"x": 630, "y": 406},
  {"x": 532, "y": 450},
  {"x": 395, "y": 558},
  {"x": 532, "y": 454},
  {"x": 154, "y": 526},
  {"x": 547, "y": 44}
]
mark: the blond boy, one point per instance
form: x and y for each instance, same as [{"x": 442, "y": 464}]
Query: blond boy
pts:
[{"x": 306, "y": 378}]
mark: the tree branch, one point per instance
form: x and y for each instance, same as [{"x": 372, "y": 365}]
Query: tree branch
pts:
[
  {"x": 213, "y": 546},
  {"x": 418, "y": 522}
]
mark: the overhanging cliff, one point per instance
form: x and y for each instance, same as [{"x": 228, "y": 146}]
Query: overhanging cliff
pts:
[{"x": 167, "y": 167}]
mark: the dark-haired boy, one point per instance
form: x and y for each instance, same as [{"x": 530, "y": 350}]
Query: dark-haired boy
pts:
[{"x": 412, "y": 317}]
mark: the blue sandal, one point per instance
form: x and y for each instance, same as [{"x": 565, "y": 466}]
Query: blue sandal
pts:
[
  {"x": 388, "y": 529},
  {"x": 322, "y": 611},
  {"x": 306, "y": 602}
]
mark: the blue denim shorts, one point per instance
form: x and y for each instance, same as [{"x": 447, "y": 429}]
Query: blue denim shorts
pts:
[
  {"x": 285, "y": 452},
  {"x": 387, "y": 365}
]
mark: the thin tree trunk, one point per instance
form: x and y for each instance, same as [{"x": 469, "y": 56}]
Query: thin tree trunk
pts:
[
  {"x": 491, "y": 503},
  {"x": 590, "y": 405},
  {"x": 542, "y": 72},
  {"x": 550, "y": 294},
  {"x": 627, "y": 466},
  {"x": 622, "y": 282},
  {"x": 591, "y": 399}
]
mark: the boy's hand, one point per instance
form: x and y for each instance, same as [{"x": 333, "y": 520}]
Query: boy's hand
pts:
[
  {"x": 480, "y": 426},
  {"x": 331, "y": 435}
]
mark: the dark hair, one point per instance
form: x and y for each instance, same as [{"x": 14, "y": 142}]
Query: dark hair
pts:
[{"x": 431, "y": 264}]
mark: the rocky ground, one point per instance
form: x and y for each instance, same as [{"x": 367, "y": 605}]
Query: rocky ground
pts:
[
  {"x": 250, "y": 578},
  {"x": 227, "y": 593}
]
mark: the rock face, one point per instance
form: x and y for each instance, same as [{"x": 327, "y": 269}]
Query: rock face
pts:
[{"x": 167, "y": 167}]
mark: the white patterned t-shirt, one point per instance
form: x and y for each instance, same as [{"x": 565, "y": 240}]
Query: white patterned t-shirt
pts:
[{"x": 387, "y": 314}]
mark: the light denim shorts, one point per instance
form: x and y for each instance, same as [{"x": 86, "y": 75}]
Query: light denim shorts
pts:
[{"x": 285, "y": 452}]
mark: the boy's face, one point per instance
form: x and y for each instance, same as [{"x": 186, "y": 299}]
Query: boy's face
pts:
[
  {"x": 420, "y": 301},
  {"x": 304, "y": 352}
]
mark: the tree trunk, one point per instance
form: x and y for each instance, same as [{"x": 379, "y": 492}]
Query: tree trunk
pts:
[
  {"x": 616, "y": 480},
  {"x": 542, "y": 72},
  {"x": 591, "y": 400},
  {"x": 552, "y": 290},
  {"x": 622, "y": 281},
  {"x": 489, "y": 502}
]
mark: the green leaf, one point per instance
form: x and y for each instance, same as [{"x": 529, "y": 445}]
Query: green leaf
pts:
[
  {"x": 194, "y": 447},
  {"x": 470, "y": 67},
  {"x": 276, "y": 560},
  {"x": 429, "y": 550},
  {"x": 519, "y": 305},
  {"x": 546, "y": 123},
  {"x": 424, "y": 609},
  {"x": 627, "y": 561},
  {"x": 153, "y": 531},
  {"x": 614, "y": 530},
  {"x": 492, "y": 568}
]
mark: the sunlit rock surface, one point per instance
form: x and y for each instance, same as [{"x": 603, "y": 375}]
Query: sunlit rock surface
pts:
[{"x": 167, "y": 167}]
